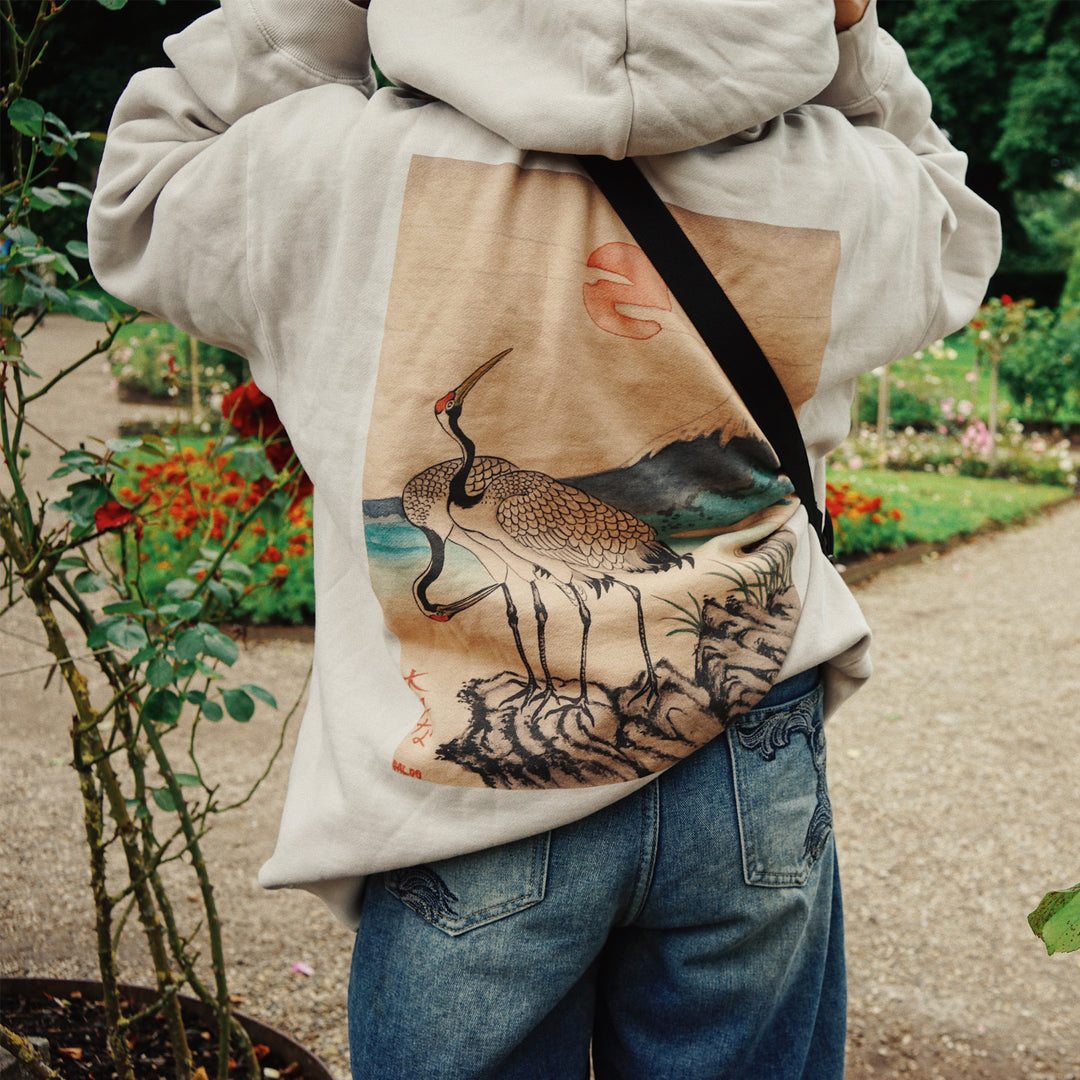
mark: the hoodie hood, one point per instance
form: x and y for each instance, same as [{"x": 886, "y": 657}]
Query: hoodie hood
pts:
[{"x": 612, "y": 77}]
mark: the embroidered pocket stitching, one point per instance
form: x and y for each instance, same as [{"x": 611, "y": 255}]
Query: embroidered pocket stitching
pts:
[
  {"x": 765, "y": 736},
  {"x": 423, "y": 890}
]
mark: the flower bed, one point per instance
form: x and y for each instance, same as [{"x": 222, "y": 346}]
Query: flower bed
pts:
[
  {"x": 961, "y": 445},
  {"x": 153, "y": 360},
  {"x": 861, "y": 523},
  {"x": 188, "y": 500}
]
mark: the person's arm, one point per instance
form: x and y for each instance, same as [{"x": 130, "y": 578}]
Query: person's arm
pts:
[
  {"x": 875, "y": 89},
  {"x": 168, "y": 226}
]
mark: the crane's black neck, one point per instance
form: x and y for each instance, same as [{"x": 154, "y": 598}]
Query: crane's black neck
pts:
[
  {"x": 459, "y": 496},
  {"x": 435, "y": 567}
]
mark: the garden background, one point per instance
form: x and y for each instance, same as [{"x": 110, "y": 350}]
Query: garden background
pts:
[{"x": 971, "y": 434}]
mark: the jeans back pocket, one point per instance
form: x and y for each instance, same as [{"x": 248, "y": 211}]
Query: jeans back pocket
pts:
[
  {"x": 458, "y": 894},
  {"x": 785, "y": 817}
]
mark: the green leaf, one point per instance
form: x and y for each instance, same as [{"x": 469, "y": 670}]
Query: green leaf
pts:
[
  {"x": 234, "y": 566},
  {"x": 250, "y": 462},
  {"x": 77, "y": 248},
  {"x": 148, "y": 652},
  {"x": 163, "y": 797},
  {"x": 88, "y": 308},
  {"x": 219, "y": 645},
  {"x": 263, "y": 695},
  {"x": 123, "y": 446},
  {"x": 1057, "y": 920},
  {"x": 83, "y": 499},
  {"x": 126, "y": 635},
  {"x": 87, "y": 582},
  {"x": 162, "y": 706},
  {"x": 180, "y": 588},
  {"x": 97, "y": 637},
  {"x": 138, "y": 806},
  {"x": 159, "y": 672},
  {"x": 11, "y": 290},
  {"x": 90, "y": 464},
  {"x": 238, "y": 704},
  {"x": 70, "y": 562},
  {"x": 27, "y": 117},
  {"x": 187, "y": 779},
  {"x": 50, "y": 196},
  {"x": 112, "y": 5},
  {"x": 190, "y": 644},
  {"x": 125, "y": 607},
  {"x": 21, "y": 236},
  {"x": 155, "y": 444},
  {"x": 83, "y": 193},
  {"x": 212, "y": 711},
  {"x": 189, "y": 609},
  {"x": 219, "y": 592}
]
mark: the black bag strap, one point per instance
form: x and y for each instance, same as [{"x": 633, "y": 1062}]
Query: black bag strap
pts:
[{"x": 714, "y": 316}]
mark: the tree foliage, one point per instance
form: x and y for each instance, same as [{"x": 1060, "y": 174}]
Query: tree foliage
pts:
[{"x": 1005, "y": 78}]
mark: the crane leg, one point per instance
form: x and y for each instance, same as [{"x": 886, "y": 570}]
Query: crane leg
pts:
[
  {"x": 541, "y": 637},
  {"x": 531, "y": 685},
  {"x": 582, "y": 702},
  {"x": 651, "y": 687}
]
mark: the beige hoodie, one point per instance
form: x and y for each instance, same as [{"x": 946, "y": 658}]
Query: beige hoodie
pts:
[{"x": 554, "y": 553}]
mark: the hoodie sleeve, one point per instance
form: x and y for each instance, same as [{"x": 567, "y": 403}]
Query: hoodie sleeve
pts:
[
  {"x": 889, "y": 107},
  {"x": 168, "y": 223}
]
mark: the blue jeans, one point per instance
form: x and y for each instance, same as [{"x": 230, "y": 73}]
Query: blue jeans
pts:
[{"x": 692, "y": 930}]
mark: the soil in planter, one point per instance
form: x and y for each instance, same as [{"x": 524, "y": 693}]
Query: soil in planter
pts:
[{"x": 75, "y": 1028}]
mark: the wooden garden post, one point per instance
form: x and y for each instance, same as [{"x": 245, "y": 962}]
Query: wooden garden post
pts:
[{"x": 883, "y": 405}]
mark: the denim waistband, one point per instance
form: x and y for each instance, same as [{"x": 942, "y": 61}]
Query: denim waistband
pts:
[{"x": 791, "y": 689}]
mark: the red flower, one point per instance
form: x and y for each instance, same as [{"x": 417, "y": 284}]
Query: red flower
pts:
[
  {"x": 112, "y": 515},
  {"x": 250, "y": 411},
  {"x": 1006, "y": 300},
  {"x": 279, "y": 453}
]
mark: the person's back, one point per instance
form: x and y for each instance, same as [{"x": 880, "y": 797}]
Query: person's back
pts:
[{"x": 555, "y": 556}]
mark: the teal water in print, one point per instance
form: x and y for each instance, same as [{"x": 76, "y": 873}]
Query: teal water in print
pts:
[{"x": 395, "y": 543}]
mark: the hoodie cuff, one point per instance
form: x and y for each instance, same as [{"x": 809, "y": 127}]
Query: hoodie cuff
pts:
[
  {"x": 863, "y": 68},
  {"x": 326, "y": 37}
]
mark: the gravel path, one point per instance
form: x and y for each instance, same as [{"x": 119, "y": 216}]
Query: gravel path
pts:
[{"x": 953, "y": 776}]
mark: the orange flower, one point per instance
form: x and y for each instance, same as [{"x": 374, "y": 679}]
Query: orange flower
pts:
[
  {"x": 271, "y": 554},
  {"x": 281, "y": 571}
]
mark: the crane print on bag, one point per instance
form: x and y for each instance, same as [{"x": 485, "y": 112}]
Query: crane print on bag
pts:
[{"x": 524, "y": 524}]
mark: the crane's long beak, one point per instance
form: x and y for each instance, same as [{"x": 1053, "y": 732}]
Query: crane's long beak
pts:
[{"x": 477, "y": 375}]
